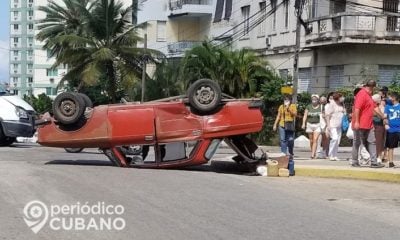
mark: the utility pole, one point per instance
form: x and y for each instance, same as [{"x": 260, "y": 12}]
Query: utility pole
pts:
[
  {"x": 144, "y": 68},
  {"x": 299, "y": 10}
]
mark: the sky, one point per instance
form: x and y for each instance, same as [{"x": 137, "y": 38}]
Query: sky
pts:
[{"x": 4, "y": 40}]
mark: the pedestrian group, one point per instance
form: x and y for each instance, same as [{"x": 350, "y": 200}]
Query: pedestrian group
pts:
[{"x": 373, "y": 124}]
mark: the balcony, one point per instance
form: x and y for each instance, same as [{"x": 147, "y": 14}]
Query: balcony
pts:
[
  {"x": 190, "y": 8},
  {"x": 353, "y": 28},
  {"x": 15, "y": 18},
  {"x": 179, "y": 48}
]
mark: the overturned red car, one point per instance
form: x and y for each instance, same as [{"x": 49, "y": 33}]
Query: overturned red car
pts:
[{"x": 174, "y": 132}]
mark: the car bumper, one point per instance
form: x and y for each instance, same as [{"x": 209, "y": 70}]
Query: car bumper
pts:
[{"x": 21, "y": 128}]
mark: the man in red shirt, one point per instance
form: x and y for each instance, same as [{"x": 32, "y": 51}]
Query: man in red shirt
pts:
[{"x": 363, "y": 126}]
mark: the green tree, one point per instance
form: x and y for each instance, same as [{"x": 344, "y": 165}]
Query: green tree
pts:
[
  {"x": 96, "y": 40},
  {"x": 240, "y": 73},
  {"x": 41, "y": 104}
]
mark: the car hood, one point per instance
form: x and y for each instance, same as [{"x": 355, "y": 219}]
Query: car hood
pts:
[{"x": 17, "y": 101}]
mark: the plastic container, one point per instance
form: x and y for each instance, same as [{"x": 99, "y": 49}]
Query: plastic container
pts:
[
  {"x": 283, "y": 172},
  {"x": 272, "y": 168}
]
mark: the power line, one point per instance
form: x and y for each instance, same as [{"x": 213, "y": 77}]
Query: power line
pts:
[{"x": 253, "y": 25}]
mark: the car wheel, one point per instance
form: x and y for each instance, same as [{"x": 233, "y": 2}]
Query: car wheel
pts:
[
  {"x": 204, "y": 96},
  {"x": 73, "y": 150},
  {"x": 4, "y": 140},
  {"x": 86, "y": 99},
  {"x": 68, "y": 108}
]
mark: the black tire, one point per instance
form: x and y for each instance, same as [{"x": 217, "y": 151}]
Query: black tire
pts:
[
  {"x": 73, "y": 150},
  {"x": 68, "y": 108},
  {"x": 204, "y": 96},
  {"x": 4, "y": 140},
  {"x": 86, "y": 99}
]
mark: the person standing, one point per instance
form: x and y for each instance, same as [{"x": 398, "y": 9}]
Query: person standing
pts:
[
  {"x": 286, "y": 117},
  {"x": 379, "y": 127},
  {"x": 392, "y": 124},
  {"x": 311, "y": 123},
  {"x": 323, "y": 140},
  {"x": 334, "y": 114},
  {"x": 362, "y": 125}
]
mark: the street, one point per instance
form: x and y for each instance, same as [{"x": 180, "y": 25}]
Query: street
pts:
[{"x": 214, "y": 201}]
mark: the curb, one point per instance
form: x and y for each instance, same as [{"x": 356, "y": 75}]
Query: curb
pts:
[{"x": 347, "y": 174}]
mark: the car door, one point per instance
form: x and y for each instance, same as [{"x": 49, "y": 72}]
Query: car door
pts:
[
  {"x": 175, "y": 122},
  {"x": 131, "y": 124}
]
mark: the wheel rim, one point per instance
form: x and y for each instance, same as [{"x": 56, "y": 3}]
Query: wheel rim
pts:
[
  {"x": 68, "y": 108},
  {"x": 205, "y": 95}
]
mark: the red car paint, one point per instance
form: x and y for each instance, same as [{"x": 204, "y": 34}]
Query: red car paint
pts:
[{"x": 157, "y": 124}]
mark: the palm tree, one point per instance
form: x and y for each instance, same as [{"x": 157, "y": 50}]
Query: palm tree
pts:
[
  {"x": 240, "y": 73},
  {"x": 96, "y": 40}
]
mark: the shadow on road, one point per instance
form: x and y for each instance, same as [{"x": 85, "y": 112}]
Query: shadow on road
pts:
[
  {"x": 217, "y": 166},
  {"x": 81, "y": 163}
]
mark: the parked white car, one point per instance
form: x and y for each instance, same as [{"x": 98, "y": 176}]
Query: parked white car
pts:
[{"x": 16, "y": 118}]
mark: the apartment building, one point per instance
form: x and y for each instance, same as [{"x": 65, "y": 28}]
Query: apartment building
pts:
[
  {"x": 31, "y": 67},
  {"x": 346, "y": 41}
]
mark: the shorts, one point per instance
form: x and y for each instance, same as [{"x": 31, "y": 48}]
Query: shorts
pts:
[
  {"x": 313, "y": 127},
  {"x": 392, "y": 140}
]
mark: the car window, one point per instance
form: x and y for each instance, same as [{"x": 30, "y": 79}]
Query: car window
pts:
[
  {"x": 177, "y": 150},
  {"x": 212, "y": 148}
]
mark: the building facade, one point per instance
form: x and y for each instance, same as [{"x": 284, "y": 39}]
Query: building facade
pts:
[
  {"x": 31, "y": 67},
  {"x": 346, "y": 42}
]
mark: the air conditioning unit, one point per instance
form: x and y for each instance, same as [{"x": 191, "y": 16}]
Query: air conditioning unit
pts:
[
  {"x": 16, "y": 5},
  {"x": 15, "y": 58},
  {"x": 15, "y": 44},
  {"x": 30, "y": 5},
  {"x": 30, "y": 18},
  {"x": 15, "y": 71},
  {"x": 30, "y": 44},
  {"x": 15, "y": 18}
]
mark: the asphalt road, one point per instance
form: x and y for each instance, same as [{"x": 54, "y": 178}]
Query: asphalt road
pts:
[{"x": 215, "y": 201}]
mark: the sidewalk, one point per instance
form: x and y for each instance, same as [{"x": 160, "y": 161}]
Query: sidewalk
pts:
[{"x": 305, "y": 166}]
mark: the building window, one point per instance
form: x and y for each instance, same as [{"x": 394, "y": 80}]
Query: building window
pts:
[
  {"x": 161, "y": 31},
  {"x": 30, "y": 26},
  {"x": 261, "y": 27},
  {"x": 304, "y": 80},
  {"x": 30, "y": 41},
  {"x": 273, "y": 7},
  {"x": 51, "y": 91},
  {"x": 30, "y": 79},
  {"x": 30, "y": 1},
  {"x": 30, "y": 53},
  {"x": 16, "y": 26},
  {"x": 286, "y": 10},
  {"x": 284, "y": 73},
  {"x": 387, "y": 74},
  {"x": 30, "y": 66},
  {"x": 246, "y": 20},
  {"x": 15, "y": 40},
  {"x": 50, "y": 72},
  {"x": 336, "y": 77},
  {"x": 15, "y": 13},
  {"x": 15, "y": 79},
  {"x": 15, "y": 66},
  {"x": 314, "y": 9},
  {"x": 48, "y": 53},
  {"x": 15, "y": 53}
]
